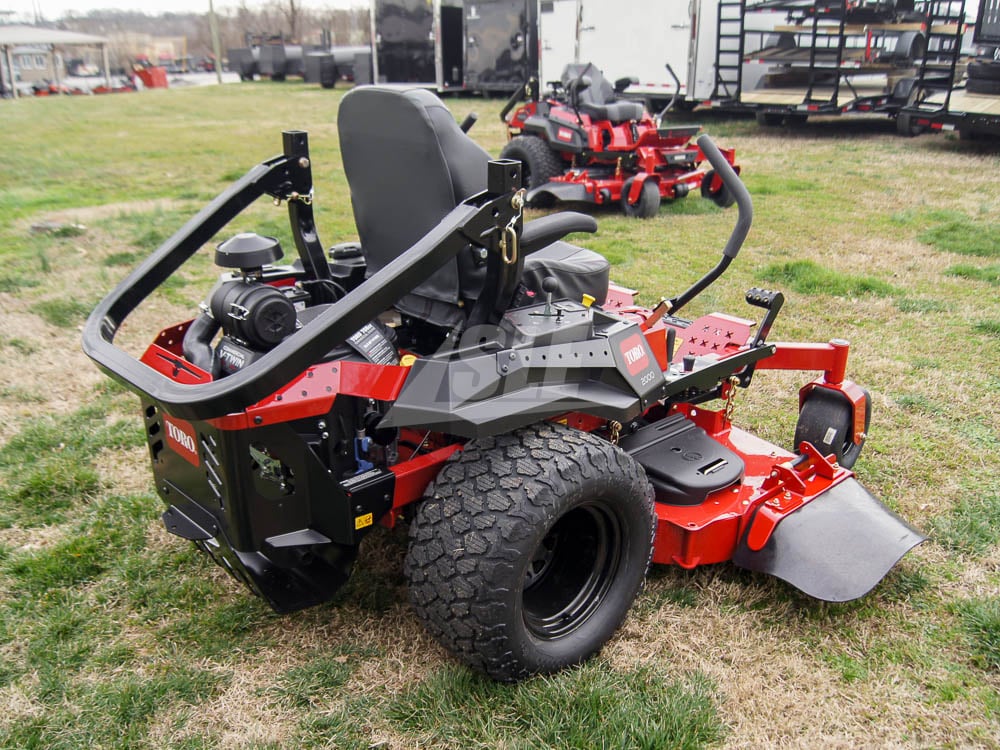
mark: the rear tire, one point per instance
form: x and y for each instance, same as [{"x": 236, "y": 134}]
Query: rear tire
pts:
[
  {"x": 530, "y": 549},
  {"x": 540, "y": 163},
  {"x": 648, "y": 204},
  {"x": 826, "y": 420}
]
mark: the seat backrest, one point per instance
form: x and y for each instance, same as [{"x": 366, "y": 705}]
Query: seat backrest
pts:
[
  {"x": 408, "y": 164},
  {"x": 600, "y": 90}
]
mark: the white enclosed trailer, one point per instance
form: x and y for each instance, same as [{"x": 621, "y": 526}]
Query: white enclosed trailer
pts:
[{"x": 677, "y": 49}]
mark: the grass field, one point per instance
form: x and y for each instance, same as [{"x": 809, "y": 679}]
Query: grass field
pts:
[{"x": 115, "y": 634}]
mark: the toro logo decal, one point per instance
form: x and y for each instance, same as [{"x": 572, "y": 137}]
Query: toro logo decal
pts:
[
  {"x": 564, "y": 134},
  {"x": 180, "y": 437},
  {"x": 634, "y": 350}
]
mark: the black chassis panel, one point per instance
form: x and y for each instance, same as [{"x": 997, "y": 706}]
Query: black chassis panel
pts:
[
  {"x": 549, "y": 129},
  {"x": 532, "y": 367},
  {"x": 263, "y": 503}
]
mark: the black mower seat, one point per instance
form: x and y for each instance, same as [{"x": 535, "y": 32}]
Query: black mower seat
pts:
[
  {"x": 408, "y": 164},
  {"x": 598, "y": 100}
]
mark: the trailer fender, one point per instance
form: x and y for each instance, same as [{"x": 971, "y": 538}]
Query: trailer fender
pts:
[{"x": 835, "y": 547}]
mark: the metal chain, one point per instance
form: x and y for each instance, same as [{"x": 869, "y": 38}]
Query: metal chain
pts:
[
  {"x": 731, "y": 397},
  {"x": 615, "y": 429}
]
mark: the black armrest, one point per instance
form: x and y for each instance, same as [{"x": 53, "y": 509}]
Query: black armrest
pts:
[
  {"x": 623, "y": 83},
  {"x": 547, "y": 229}
]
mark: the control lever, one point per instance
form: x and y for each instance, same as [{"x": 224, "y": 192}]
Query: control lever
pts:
[{"x": 550, "y": 285}]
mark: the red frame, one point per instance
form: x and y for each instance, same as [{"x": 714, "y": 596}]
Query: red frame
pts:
[{"x": 776, "y": 482}]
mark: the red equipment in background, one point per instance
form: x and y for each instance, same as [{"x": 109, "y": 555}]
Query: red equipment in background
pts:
[{"x": 583, "y": 143}]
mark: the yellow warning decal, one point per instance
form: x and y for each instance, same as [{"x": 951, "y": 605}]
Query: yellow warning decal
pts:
[{"x": 363, "y": 522}]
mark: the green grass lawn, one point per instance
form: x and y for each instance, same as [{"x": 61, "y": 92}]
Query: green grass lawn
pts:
[{"x": 115, "y": 634}]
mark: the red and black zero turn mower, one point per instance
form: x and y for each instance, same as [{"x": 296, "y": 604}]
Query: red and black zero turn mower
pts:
[
  {"x": 584, "y": 144},
  {"x": 544, "y": 445}
]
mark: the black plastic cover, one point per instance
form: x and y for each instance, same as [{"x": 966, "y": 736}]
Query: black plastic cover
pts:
[
  {"x": 682, "y": 462},
  {"x": 248, "y": 250}
]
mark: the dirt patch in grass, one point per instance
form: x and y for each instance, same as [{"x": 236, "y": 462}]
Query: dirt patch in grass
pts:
[
  {"x": 90, "y": 214},
  {"x": 35, "y": 538},
  {"x": 17, "y": 704},
  {"x": 125, "y": 472},
  {"x": 57, "y": 373}
]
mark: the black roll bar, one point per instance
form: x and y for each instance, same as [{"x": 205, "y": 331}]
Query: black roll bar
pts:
[{"x": 479, "y": 220}]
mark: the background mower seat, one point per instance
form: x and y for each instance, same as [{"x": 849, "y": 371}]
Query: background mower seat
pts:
[
  {"x": 598, "y": 100},
  {"x": 408, "y": 164}
]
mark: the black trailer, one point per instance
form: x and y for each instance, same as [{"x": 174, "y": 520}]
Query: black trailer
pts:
[
  {"x": 455, "y": 45},
  {"x": 973, "y": 106}
]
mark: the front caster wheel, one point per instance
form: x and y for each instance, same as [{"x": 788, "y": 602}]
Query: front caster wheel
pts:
[
  {"x": 529, "y": 549},
  {"x": 648, "y": 204},
  {"x": 826, "y": 420},
  {"x": 721, "y": 196}
]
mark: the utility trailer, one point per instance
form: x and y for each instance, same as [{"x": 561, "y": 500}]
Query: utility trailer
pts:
[
  {"x": 670, "y": 46},
  {"x": 488, "y": 46},
  {"x": 972, "y": 107},
  {"x": 833, "y": 57}
]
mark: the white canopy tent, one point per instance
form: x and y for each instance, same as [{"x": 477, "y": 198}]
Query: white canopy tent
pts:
[{"x": 23, "y": 36}]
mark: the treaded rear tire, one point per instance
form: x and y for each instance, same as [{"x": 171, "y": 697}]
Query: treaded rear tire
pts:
[
  {"x": 540, "y": 163},
  {"x": 529, "y": 549}
]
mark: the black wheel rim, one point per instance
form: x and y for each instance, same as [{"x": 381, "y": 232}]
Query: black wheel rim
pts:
[{"x": 571, "y": 570}]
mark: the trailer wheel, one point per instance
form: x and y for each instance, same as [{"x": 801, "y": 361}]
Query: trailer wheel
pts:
[
  {"x": 540, "y": 163},
  {"x": 769, "y": 119},
  {"x": 529, "y": 549},
  {"x": 723, "y": 197},
  {"x": 906, "y": 127},
  {"x": 648, "y": 204},
  {"x": 826, "y": 420}
]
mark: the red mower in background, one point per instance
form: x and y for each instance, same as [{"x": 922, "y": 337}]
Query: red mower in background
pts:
[{"x": 584, "y": 144}]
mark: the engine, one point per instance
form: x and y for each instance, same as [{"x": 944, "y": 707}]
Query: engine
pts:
[{"x": 254, "y": 316}]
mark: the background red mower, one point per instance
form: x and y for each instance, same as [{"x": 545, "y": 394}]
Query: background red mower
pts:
[{"x": 583, "y": 143}]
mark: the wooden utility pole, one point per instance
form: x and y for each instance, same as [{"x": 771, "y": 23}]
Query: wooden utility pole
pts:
[{"x": 213, "y": 24}]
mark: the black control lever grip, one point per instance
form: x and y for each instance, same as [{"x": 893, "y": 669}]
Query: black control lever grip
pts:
[{"x": 735, "y": 185}]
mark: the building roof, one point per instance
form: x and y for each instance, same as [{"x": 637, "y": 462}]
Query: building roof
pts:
[{"x": 20, "y": 36}]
